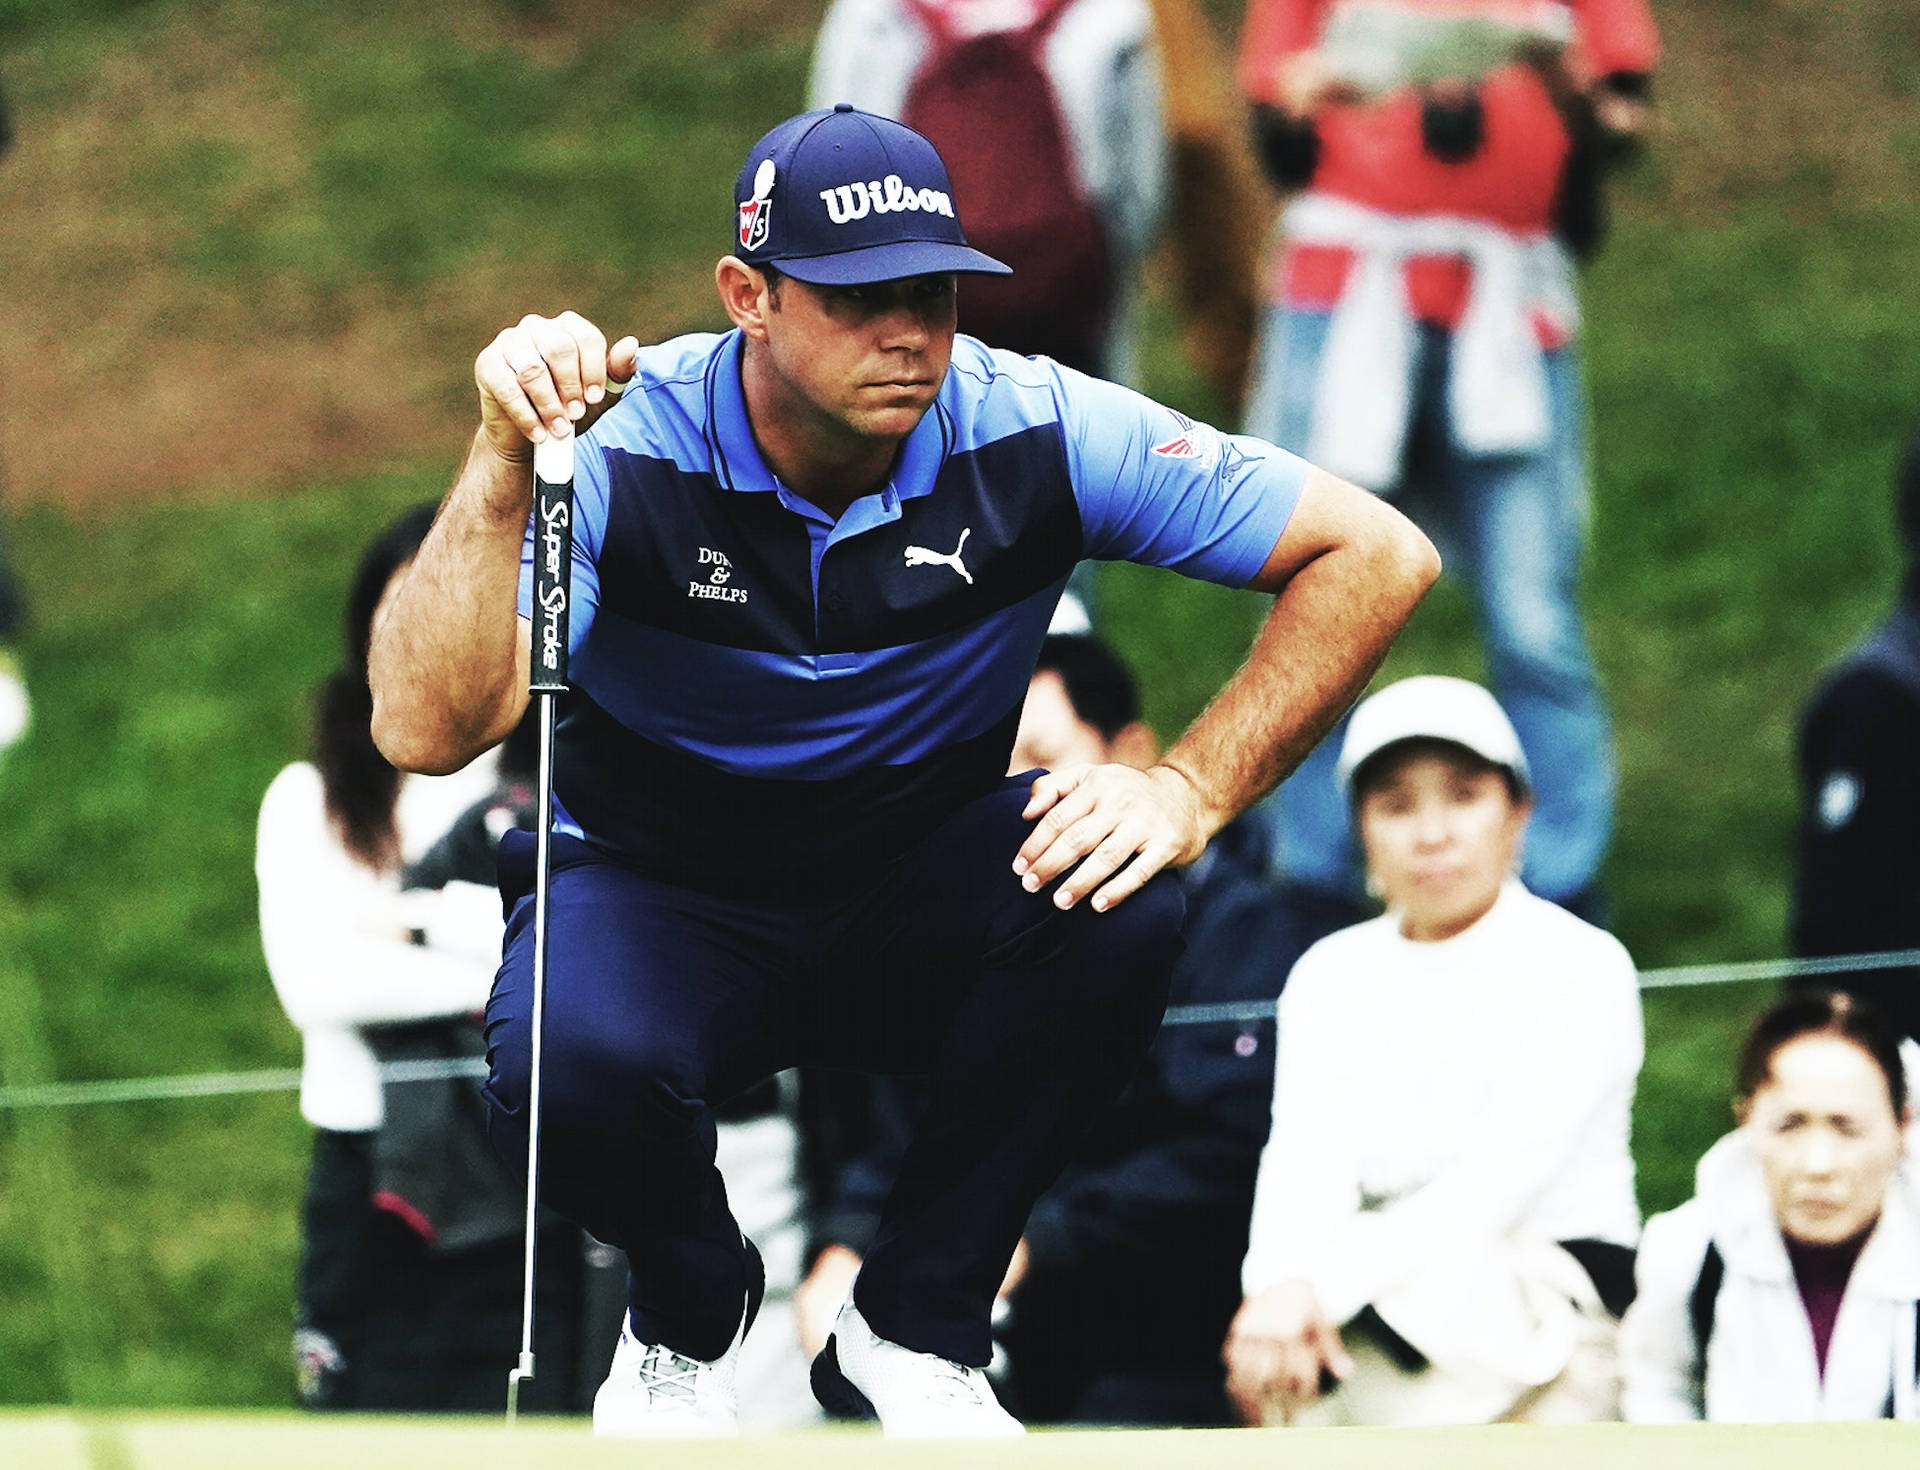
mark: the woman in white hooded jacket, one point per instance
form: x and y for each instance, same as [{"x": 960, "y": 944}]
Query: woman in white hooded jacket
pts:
[
  {"x": 1786, "y": 1289},
  {"x": 1444, "y": 1217}
]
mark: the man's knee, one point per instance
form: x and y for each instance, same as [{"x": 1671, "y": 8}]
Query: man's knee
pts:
[
  {"x": 1150, "y": 921},
  {"x": 595, "y": 1079},
  {"x": 1132, "y": 946}
]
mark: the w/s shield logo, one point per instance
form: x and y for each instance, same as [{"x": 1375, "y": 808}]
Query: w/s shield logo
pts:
[
  {"x": 757, "y": 213},
  {"x": 753, "y": 223},
  {"x": 1195, "y": 443}
]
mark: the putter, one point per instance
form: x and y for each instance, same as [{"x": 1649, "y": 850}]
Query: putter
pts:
[{"x": 552, "y": 567}]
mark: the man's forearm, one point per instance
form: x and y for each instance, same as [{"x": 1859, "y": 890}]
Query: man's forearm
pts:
[
  {"x": 444, "y": 662},
  {"x": 1328, "y": 631}
]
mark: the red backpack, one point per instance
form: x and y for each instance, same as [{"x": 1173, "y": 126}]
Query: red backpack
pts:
[{"x": 987, "y": 104}]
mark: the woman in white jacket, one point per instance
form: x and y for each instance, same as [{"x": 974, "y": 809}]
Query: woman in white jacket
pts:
[
  {"x": 1444, "y": 1217},
  {"x": 390, "y": 1299},
  {"x": 1786, "y": 1288}
]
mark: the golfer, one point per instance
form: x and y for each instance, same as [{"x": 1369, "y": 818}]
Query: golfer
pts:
[{"x": 815, "y": 558}]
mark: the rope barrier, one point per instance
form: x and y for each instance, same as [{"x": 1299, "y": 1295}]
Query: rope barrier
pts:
[
  {"x": 287, "y": 1079},
  {"x": 1673, "y": 977},
  {"x": 1838, "y": 964},
  {"x": 214, "y": 1084}
]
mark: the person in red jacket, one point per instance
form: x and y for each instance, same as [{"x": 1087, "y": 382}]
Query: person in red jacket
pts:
[{"x": 1421, "y": 336}]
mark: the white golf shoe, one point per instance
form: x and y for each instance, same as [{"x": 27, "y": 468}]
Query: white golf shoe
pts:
[
  {"x": 655, "y": 1393},
  {"x": 859, "y": 1375}
]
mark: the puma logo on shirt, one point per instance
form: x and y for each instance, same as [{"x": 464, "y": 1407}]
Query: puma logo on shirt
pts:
[{"x": 919, "y": 556}]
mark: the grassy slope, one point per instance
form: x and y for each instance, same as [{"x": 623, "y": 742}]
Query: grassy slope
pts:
[
  {"x": 146, "y": 1254},
  {"x": 283, "y": 186}
]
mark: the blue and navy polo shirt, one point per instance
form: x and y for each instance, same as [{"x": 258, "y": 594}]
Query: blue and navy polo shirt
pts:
[{"x": 767, "y": 700}]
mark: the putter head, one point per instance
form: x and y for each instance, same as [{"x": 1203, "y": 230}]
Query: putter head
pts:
[{"x": 514, "y": 1379}]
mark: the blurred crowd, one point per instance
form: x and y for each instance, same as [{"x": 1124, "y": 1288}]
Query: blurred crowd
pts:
[{"x": 1403, "y": 1193}]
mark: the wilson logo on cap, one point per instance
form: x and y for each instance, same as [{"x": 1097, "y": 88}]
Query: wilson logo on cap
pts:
[
  {"x": 875, "y": 221},
  {"x": 849, "y": 202},
  {"x": 757, "y": 213}
]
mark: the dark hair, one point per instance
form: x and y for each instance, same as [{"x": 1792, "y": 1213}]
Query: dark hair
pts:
[
  {"x": 1098, "y": 684},
  {"x": 361, "y": 786},
  {"x": 1823, "y": 1013},
  {"x": 1369, "y": 772}
]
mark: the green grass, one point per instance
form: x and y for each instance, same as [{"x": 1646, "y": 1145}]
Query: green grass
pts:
[
  {"x": 177, "y": 1442},
  {"x": 165, "y": 1231},
  {"x": 1751, "y": 341}
]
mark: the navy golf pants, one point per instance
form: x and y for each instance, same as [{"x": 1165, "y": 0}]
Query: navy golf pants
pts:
[{"x": 661, "y": 1000}]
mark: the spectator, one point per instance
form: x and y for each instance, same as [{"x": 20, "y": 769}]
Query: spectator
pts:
[
  {"x": 1125, "y": 1281},
  {"x": 1087, "y": 140},
  {"x": 15, "y": 709},
  {"x": 1858, "y": 884},
  {"x": 1785, "y": 1289},
  {"x": 409, "y": 1290},
  {"x": 1422, "y": 342},
  {"x": 1443, "y": 1225}
]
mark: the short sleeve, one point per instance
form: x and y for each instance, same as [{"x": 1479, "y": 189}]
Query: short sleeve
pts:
[
  {"x": 590, "y": 500},
  {"x": 1156, "y": 487}
]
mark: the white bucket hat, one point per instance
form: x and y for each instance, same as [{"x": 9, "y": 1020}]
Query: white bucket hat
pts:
[{"x": 1432, "y": 707}]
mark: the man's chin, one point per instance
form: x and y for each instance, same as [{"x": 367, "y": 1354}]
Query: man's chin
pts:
[{"x": 890, "y": 420}]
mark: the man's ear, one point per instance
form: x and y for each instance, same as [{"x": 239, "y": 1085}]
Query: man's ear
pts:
[
  {"x": 1136, "y": 745},
  {"x": 744, "y": 294}
]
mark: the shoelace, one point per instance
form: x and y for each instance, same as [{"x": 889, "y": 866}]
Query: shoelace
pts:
[
  {"x": 956, "y": 1386},
  {"x": 954, "y": 1383},
  {"x": 668, "y": 1374}
]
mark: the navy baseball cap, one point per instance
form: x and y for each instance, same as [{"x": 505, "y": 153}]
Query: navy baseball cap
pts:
[{"x": 842, "y": 197}]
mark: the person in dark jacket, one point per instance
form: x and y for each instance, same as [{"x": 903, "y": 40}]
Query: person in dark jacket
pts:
[
  {"x": 1127, "y": 1277},
  {"x": 1857, "y": 885}
]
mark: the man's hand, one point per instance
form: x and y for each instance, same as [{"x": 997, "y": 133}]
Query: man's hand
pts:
[
  {"x": 1114, "y": 822},
  {"x": 1279, "y": 1343},
  {"x": 449, "y": 658},
  {"x": 544, "y": 376}
]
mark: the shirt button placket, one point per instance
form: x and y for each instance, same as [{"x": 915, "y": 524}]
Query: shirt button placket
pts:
[{"x": 831, "y": 620}]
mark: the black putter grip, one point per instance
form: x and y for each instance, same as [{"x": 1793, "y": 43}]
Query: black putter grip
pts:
[{"x": 552, "y": 563}]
